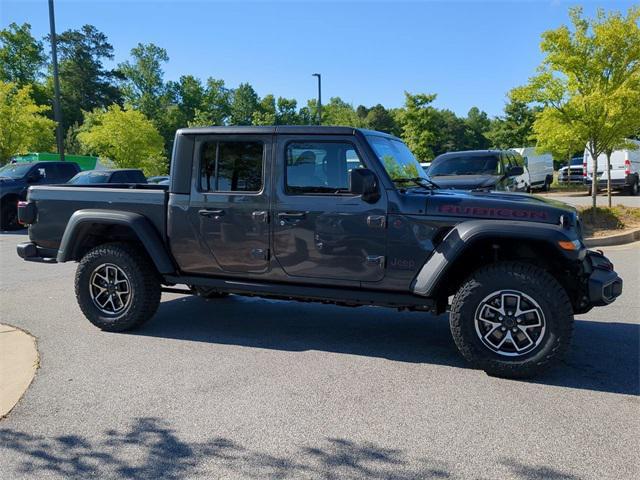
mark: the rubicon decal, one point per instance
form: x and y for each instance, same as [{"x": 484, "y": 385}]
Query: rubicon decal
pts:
[{"x": 492, "y": 212}]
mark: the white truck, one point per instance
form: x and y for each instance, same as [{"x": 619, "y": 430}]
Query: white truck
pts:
[
  {"x": 625, "y": 169},
  {"x": 540, "y": 167}
]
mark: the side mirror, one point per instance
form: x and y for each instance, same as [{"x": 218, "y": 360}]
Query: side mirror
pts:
[
  {"x": 364, "y": 182},
  {"x": 515, "y": 171}
]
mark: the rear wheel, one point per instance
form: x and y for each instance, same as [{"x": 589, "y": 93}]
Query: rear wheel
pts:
[
  {"x": 634, "y": 189},
  {"x": 511, "y": 319},
  {"x": 117, "y": 287}
]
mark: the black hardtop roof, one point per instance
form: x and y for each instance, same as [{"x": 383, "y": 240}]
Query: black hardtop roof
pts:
[
  {"x": 111, "y": 170},
  {"x": 280, "y": 129},
  {"x": 471, "y": 153}
]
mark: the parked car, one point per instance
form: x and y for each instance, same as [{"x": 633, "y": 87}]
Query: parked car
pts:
[
  {"x": 572, "y": 173},
  {"x": 279, "y": 212},
  {"x": 425, "y": 166},
  {"x": 121, "y": 175},
  {"x": 481, "y": 170},
  {"x": 16, "y": 178},
  {"x": 539, "y": 166},
  {"x": 158, "y": 179},
  {"x": 625, "y": 169}
]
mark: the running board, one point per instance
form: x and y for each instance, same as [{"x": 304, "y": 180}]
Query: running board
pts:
[{"x": 315, "y": 293}]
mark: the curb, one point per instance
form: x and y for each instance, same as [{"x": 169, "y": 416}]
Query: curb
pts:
[
  {"x": 619, "y": 239},
  {"x": 19, "y": 361}
]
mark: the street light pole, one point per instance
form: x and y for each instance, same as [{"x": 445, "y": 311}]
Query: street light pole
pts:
[
  {"x": 319, "y": 97},
  {"x": 57, "y": 113}
]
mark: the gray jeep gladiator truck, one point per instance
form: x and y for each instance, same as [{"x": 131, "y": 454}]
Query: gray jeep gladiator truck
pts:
[{"x": 327, "y": 214}]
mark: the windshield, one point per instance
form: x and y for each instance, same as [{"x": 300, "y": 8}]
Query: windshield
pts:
[
  {"x": 396, "y": 157},
  {"x": 87, "y": 178},
  {"x": 577, "y": 161},
  {"x": 16, "y": 170},
  {"x": 465, "y": 165}
]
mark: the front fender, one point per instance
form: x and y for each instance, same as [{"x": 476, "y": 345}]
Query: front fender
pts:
[
  {"x": 82, "y": 221},
  {"x": 465, "y": 234}
]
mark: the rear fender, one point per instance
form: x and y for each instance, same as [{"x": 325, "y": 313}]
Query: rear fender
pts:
[{"x": 83, "y": 221}]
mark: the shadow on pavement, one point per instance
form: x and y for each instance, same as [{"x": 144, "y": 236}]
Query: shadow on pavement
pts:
[
  {"x": 605, "y": 356},
  {"x": 149, "y": 448},
  {"x": 22, "y": 231}
]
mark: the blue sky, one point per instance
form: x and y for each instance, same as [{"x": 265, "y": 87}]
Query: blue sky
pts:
[{"x": 469, "y": 53}]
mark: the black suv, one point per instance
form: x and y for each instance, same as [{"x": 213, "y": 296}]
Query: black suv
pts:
[
  {"x": 333, "y": 215},
  {"x": 16, "y": 178},
  {"x": 503, "y": 170}
]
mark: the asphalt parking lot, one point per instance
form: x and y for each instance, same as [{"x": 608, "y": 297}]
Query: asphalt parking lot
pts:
[
  {"x": 249, "y": 388},
  {"x": 584, "y": 200}
]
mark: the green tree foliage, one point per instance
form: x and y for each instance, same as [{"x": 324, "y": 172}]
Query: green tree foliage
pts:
[
  {"x": 244, "y": 102},
  {"x": 419, "y": 124},
  {"x": 215, "y": 107},
  {"x": 589, "y": 81},
  {"x": 125, "y": 137},
  {"x": 21, "y": 55},
  {"x": 379, "y": 118},
  {"x": 144, "y": 87},
  {"x": 85, "y": 83},
  {"x": 23, "y": 125},
  {"x": 515, "y": 128},
  {"x": 477, "y": 126},
  {"x": 340, "y": 113}
]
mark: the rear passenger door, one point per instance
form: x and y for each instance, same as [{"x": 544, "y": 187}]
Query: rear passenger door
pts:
[{"x": 229, "y": 204}]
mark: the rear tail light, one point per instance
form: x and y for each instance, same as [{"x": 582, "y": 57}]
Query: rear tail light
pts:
[
  {"x": 627, "y": 167},
  {"x": 584, "y": 169}
]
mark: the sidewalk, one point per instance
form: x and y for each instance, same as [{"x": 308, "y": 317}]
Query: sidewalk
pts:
[{"x": 18, "y": 365}]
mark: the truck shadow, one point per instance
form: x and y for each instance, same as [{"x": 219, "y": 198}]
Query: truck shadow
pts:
[
  {"x": 150, "y": 448},
  {"x": 605, "y": 356}
]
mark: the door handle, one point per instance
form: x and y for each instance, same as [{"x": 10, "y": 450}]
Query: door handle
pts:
[
  {"x": 292, "y": 215},
  {"x": 211, "y": 213},
  {"x": 260, "y": 216}
]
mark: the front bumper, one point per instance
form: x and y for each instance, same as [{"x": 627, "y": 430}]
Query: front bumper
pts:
[
  {"x": 30, "y": 252},
  {"x": 604, "y": 284}
]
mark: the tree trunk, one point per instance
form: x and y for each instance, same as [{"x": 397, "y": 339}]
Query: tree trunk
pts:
[
  {"x": 609, "y": 178},
  {"x": 594, "y": 183}
]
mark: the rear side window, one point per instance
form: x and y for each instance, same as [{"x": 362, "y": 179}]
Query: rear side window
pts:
[
  {"x": 320, "y": 167},
  {"x": 66, "y": 171},
  {"x": 231, "y": 166}
]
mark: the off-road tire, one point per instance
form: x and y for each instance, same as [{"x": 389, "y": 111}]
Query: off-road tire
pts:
[
  {"x": 8, "y": 216},
  {"x": 532, "y": 281},
  {"x": 144, "y": 282},
  {"x": 634, "y": 189}
]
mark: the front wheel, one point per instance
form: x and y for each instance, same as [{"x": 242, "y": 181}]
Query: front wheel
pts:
[
  {"x": 117, "y": 287},
  {"x": 511, "y": 319}
]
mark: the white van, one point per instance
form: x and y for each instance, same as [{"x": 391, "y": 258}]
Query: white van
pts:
[
  {"x": 540, "y": 167},
  {"x": 625, "y": 169}
]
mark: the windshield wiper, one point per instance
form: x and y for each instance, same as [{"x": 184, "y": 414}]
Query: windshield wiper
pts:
[{"x": 419, "y": 181}]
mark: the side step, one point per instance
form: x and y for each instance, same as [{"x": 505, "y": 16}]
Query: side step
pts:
[{"x": 304, "y": 293}]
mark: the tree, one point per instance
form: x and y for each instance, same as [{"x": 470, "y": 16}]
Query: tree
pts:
[
  {"x": 515, "y": 128},
  {"x": 23, "y": 127},
  {"x": 340, "y": 113},
  {"x": 143, "y": 85},
  {"x": 266, "y": 112},
  {"x": 477, "y": 125},
  {"x": 554, "y": 137},
  {"x": 590, "y": 80},
  {"x": 379, "y": 118},
  {"x": 244, "y": 102},
  {"x": 287, "y": 112},
  {"x": 418, "y": 120},
  {"x": 85, "y": 84},
  {"x": 125, "y": 137},
  {"x": 215, "y": 107},
  {"x": 21, "y": 55}
]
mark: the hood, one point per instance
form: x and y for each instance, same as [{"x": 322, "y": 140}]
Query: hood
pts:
[
  {"x": 461, "y": 204},
  {"x": 467, "y": 182}
]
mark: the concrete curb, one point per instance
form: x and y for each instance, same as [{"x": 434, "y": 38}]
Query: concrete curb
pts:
[
  {"x": 19, "y": 361},
  {"x": 619, "y": 239}
]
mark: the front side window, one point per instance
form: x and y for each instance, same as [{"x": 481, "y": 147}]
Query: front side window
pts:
[
  {"x": 231, "y": 166},
  {"x": 320, "y": 167}
]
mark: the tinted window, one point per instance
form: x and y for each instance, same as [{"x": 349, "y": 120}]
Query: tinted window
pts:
[
  {"x": 577, "y": 161},
  {"x": 320, "y": 167},
  {"x": 66, "y": 171},
  {"x": 87, "y": 178},
  {"x": 15, "y": 170},
  {"x": 231, "y": 166},
  {"x": 465, "y": 165}
]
